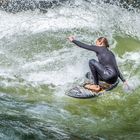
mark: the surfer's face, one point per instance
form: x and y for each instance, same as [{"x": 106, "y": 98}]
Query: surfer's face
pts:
[
  {"x": 102, "y": 41},
  {"x": 98, "y": 43}
]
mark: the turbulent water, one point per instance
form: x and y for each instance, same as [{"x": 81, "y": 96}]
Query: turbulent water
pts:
[{"x": 38, "y": 65}]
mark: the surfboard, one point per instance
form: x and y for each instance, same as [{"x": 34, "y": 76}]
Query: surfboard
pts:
[{"x": 81, "y": 92}]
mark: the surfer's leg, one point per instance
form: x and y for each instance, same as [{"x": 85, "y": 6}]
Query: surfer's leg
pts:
[
  {"x": 98, "y": 70},
  {"x": 96, "y": 86},
  {"x": 89, "y": 76},
  {"x": 93, "y": 67}
]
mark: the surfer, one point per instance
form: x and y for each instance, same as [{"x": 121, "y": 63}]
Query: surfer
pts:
[{"x": 105, "y": 68}]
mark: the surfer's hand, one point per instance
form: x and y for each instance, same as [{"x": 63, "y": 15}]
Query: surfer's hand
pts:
[
  {"x": 126, "y": 86},
  {"x": 71, "y": 38},
  {"x": 125, "y": 83}
]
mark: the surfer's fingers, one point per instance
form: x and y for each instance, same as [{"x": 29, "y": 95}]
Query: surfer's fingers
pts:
[{"x": 71, "y": 37}]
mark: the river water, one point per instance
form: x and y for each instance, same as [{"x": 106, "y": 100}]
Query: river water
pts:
[{"x": 38, "y": 65}]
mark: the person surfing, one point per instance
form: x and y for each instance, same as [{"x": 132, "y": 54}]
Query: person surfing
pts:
[{"x": 105, "y": 68}]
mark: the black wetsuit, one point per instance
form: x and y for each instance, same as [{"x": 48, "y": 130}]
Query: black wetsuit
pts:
[{"x": 106, "y": 69}]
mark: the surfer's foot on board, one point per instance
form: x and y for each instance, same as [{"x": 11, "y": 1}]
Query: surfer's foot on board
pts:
[{"x": 92, "y": 87}]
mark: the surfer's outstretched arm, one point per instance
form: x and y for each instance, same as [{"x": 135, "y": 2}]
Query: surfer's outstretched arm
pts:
[{"x": 83, "y": 45}]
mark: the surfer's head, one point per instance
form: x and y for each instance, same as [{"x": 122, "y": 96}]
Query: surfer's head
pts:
[{"x": 102, "y": 41}]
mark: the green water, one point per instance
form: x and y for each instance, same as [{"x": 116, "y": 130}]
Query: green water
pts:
[
  {"x": 126, "y": 45},
  {"x": 38, "y": 65},
  {"x": 33, "y": 110}
]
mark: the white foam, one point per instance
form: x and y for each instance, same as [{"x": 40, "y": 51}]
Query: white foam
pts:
[
  {"x": 63, "y": 69},
  {"x": 106, "y": 18},
  {"x": 134, "y": 82},
  {"x": 134, "y": 56}
]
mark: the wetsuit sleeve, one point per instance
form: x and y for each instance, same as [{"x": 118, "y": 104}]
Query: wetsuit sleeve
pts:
[
  {"x": 121, "y": 76},
  {"x": 85, "y": 46}
]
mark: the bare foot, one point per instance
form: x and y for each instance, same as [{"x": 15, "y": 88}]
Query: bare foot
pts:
[{"x": 93, "y": 87}]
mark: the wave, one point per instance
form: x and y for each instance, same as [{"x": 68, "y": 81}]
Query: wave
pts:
[
  {"x": 104, "y": 19},
  {"x": 36, "y": 43},
  {"x": 38, "y": 65}
]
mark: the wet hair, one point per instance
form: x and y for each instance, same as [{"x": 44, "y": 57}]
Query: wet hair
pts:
[{"x": 104, "y": 40}]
